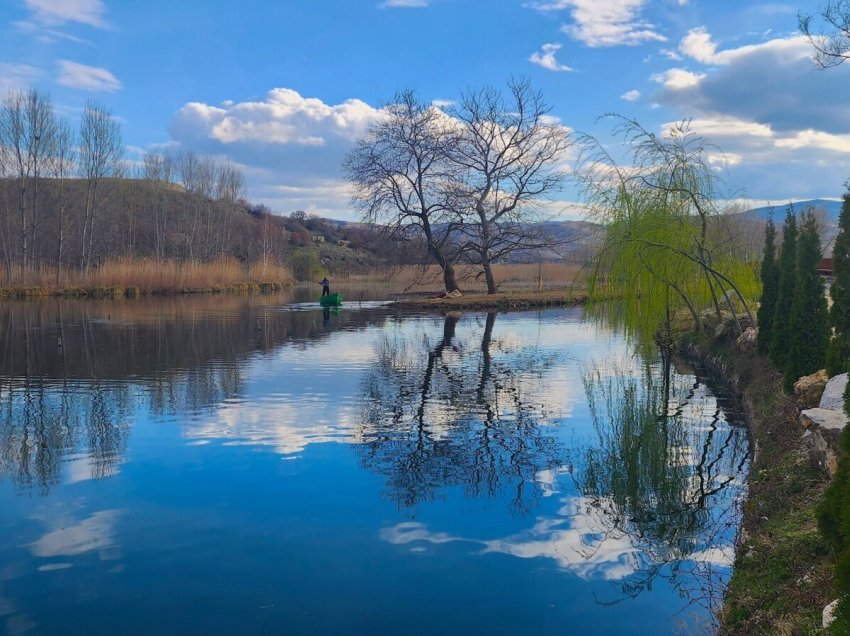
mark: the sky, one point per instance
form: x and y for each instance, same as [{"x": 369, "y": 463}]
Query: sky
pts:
[{"x": 284, "y": 88}]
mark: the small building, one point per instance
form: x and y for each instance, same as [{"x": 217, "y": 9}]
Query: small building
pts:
[
  {"x": 318, "y": 238},
  {"x": 343, "y": 243},
  {"x": 825, "y": 267}
]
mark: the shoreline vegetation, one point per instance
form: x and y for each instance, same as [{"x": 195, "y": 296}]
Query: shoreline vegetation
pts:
[
  {"x": 135, "y": 277},
  {"x": 521, "y": 284},
  {"x": 783, "y": 570}
]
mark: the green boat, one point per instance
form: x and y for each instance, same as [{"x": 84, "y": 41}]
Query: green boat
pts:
[{"x": 333, "y": 300}]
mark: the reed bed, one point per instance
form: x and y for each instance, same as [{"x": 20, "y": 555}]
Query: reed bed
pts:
[{"x": 135, "y": 276}]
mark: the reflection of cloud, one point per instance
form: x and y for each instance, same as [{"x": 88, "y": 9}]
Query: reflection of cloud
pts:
[
  {"x": 288, "y": 428},
  {"x": 547, "y": 480},
  {"x": 93, "y": 533},
  {"x": 723, "y": 556},
  {"x": 85, "y": 467},
  {"x": 572, "y": 541}
]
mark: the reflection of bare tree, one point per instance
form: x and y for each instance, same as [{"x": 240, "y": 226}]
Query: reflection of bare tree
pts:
[
  {"x": 454, "y": 413},
  {"x": 659, "y": 470},
  {"x": 74, "y": 374}
]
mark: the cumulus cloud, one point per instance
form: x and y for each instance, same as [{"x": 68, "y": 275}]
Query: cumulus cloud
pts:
[
  {"x": 89, "y": 78},
  {"x": 284, "y": 117},
  {"x": 289, "y": 146},
  {"x": 600, "y": 24},
  {"x": 631, "y": 96},
  {"x": 546, "y": 58},
  {"x": 775, "y": 164},
  {"x": 678, "y": 78},
  {"x": 58, "y": 12},
  {"x": 773, "y": 83}
]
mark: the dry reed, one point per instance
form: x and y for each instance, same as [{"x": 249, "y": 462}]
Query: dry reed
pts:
[{"x": 151, "y": 276}]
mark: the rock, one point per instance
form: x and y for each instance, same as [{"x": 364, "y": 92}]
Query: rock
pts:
[
  {"x": 808, "y": 389},
  {"x": 747, "y": 340},
  {"x": 829, "y": 613},
  {"x": 833, "y": 393},
  {"x": 823, "y": 445},
  {"x": 728, "y": 327},
  {"x": 709, "y": 318}
]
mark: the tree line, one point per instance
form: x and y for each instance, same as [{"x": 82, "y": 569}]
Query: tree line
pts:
[
  {"x": 70, "y": 200},
  {"x": 793, "y": 318}
]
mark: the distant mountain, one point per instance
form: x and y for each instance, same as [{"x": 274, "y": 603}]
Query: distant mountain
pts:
[{"x": 830, "y": 207}]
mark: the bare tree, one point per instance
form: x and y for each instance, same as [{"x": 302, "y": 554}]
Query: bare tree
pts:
[
  {"x": 230, "y": 188},
  {"x": 100, "y": 154},
  {"x": 62, "y": 165},
  {"x": 402, "y": 177},
  {"x": 27, "y": 127},
  {"x": 832, "y": 46},
  {"x": 508, "y": 154}
]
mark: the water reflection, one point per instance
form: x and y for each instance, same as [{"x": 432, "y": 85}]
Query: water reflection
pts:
[
  {"x": 461, "y": 411},
  {"x": 657, "y": 472},
  {"x": 75, "y": 375},
  {"x": 148, "y": 447}
]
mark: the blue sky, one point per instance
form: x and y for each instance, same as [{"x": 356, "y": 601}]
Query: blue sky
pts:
[{"x": 283, "y": 88}]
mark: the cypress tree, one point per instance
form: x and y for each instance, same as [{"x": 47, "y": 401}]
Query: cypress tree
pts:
[
  {"x": 779, "y": 339},
  {"x": 770, "y": 285},
  {"x": 838, "y": 354},
  {"x": 809, "y": 325}
]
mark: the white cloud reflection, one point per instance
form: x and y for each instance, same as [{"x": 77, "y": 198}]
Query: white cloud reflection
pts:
[{"x": 92, "y": 533}]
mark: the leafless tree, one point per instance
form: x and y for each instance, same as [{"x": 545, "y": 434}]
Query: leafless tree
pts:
[
  {"x": 100, "y": 155},
  {"x": 832, "y": 46},
  {"x": 62, "y": 166},
  {"x": 27, "y": 127},
  {"x": 230, "y": 188},
  {"x": 402, "y": 174},
  {"x": 508, "y": 155}
]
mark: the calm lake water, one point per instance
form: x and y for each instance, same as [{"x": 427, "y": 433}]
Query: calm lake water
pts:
[{"x": 235, "y": 465}]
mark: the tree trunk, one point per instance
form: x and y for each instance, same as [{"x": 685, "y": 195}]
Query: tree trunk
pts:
[
  {"x": 449, "y": 278},
  {"x": 488, "y": 274}
]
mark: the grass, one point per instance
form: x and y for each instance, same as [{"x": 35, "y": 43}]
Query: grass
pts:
[
  {"x": 134, "y": 276},
  {"x": 782, "y": 576}
]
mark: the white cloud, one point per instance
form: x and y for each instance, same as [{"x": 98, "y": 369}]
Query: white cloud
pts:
[
  {"x": 289, "y": 146},
  {"x": 284, "y": 117},
  {"x": 58, "y": 12},
  {"x": 546, "y": 58},
  {"x": 699, "y": 45},
  {"x": 816, "y": 139},
  {"x": 774, "y": 164},
  {"x": 46, "y": 34},
  {"x": 678, "y": 78},
  {"x": 18, "y": 76},
  {"x": 631, "y": 96},
  {"x": 89, "y": 78},
  {"x": 403, "y": 4},
  {"x": 598, "y": 23}
]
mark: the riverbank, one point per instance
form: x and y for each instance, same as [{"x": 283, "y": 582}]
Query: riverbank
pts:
[
  {"x": 501, "y": 301},
  {"x": 783, "y": 570}
]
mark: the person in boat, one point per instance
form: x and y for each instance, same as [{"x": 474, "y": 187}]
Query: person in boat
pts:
[{"x": 326, "y": 287}]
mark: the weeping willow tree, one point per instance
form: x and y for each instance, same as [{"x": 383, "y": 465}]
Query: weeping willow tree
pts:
[{"x": 669, "y": 248}]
